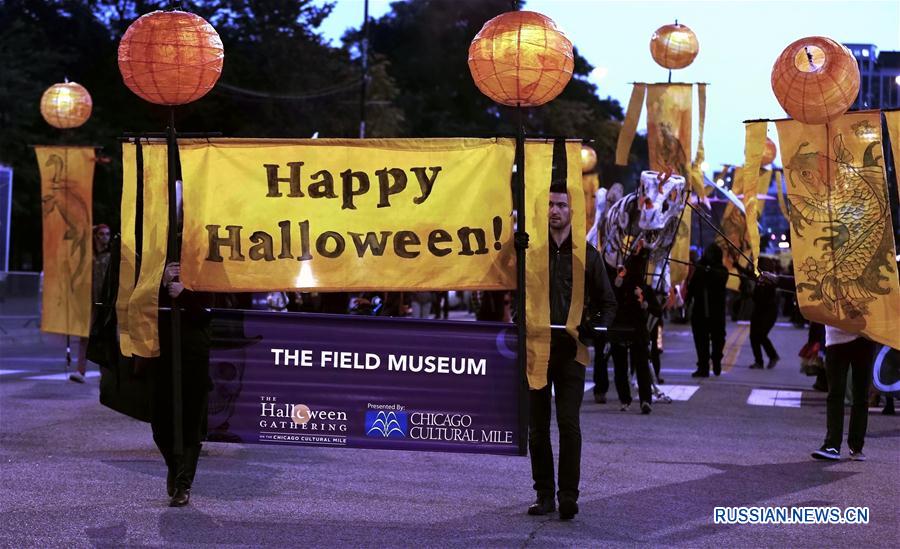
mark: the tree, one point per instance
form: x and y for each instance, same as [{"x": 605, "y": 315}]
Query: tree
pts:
[{"x": 426, "y": 42}]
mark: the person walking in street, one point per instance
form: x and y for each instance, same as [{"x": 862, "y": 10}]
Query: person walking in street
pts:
[
  {"x": 765, "y": 313},
  {"x": 630, "y": 337},
  {"x": 565, "y": 376},
  {"x": 101, "y": 254},
  {"x": 846, "y": 351},
  {"x": 706, "y": 291},
  {"x": 195, "y": 383}
]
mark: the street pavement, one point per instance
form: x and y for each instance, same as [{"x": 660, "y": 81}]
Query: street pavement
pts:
[{"x": 76, "y": 474}]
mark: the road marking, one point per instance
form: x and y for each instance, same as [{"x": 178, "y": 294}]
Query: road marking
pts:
[
  {"x": 8, "y": 372},
  {"x": 588, "y": 386},
  {"x": 679, "y": 392},
  {"x": 62, "y": 377},
  {"x": 733, "y": 345},
  {"x": 772, "y": 397}
]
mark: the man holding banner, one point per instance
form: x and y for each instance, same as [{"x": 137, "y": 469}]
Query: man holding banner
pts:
[{"x": 564, "y": 373}]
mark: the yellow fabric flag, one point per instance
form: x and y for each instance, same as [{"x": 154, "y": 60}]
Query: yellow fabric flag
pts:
[
  {"x": 754, "y": 146},
  {"x": 841, "y": 232},
  {"x": 143, "y": 307},
  {"x": 669, "y": 144},
  {"x": 538, "y": 174},
  {"x": 353, "y": 215},
  {"x": 67, "y": 179},
  {"x": 579, "y": 247},
  {"x": 629, "y": 125},
  {"x": 734, "y": 226},
  {"x": 696, "y": 175},
  {"x": 893, "y": 126},
  {"x": 538, "y": 171},
  {"x": 128, "y": 255}
]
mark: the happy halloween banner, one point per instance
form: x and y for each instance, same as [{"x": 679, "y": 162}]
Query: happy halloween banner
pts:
[{"x": 330, "y": 214}]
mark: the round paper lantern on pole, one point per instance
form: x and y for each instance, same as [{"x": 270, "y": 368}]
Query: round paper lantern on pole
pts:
[
  {"x": 588, "y": 158},
  {"x": 769, "y": 152},
  {"x": 674, "y": 46},
  {"x": 521, "y": 59},
  {"x": 171, "y": 57},
  {"x": 815, "y": 80},
  {"x": 66, "y": 105}
]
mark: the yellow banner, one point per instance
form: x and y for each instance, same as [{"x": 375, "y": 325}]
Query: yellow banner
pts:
[
  {"x": 669, "y": 143},
  {"x": 143, "y": 308},
  {"x": 538, "y": 174},
  {"x": 841, "y": 234},
  {"x": 67, "y": 178},
  {"x": 128, "y": 255},
  {"x": 754, "y": 146},
  {"x": 538, "y": 171},
  {"x": 579, "y": 247},
  {"x": 629, "y": 125},
  {"x": 329, "y": 214},
  {"x": 734, "y": 226}
]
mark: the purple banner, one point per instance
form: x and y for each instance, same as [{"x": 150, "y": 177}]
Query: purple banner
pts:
[{"x": 364, "y": 382}]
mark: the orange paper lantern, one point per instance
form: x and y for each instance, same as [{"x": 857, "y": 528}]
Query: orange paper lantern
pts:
[
  {"x": 520, "y": 58},
  {"x": 769, "y": 152},
  {"x": 588, "y": 158},
  {"x": 66, "y": 105},
  {"x": 170, "y": 57},
  {"x": 674, "y": 46},
  {"x": 815, "y": 80}
]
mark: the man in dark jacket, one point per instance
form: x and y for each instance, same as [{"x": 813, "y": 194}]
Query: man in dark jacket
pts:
[
  {"x": 564, "y": 373},
  {"x": 706, "y": 290},
  {"x": 637, "y": 300}
]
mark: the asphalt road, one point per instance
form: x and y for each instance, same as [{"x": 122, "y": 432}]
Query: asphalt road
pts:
[{"x": 76, "y": 474}]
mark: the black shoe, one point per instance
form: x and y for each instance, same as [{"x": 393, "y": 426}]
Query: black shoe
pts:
[
  {"x": 181, "y": 498},
  {"x": 661, "y": 381},
  {"x": 600, "y": 398},
  {"x": 820, "y": 387},
  {"x": 717, "y": 369},
  {"x": 645, "y": 409},
  {"x": 542, "y": 506},
  {"x": 756, "y": 366},
  {"x": 698, "y": 373},
  {"x": 832, "y": 454},
  {"x": 772, "y": 362},
  {"x": 568, "y": 508}
]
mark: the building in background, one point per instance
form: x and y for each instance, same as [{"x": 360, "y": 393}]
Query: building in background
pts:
[{"x": 879, "y": 77}]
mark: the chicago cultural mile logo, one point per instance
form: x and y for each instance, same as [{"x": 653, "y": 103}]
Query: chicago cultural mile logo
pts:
[{"x": 386, "y": 424}]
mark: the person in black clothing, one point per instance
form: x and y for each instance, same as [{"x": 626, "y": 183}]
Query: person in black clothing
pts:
[
  {"x": 765, "y": 313},
  {"x": 564, "y": 373},
  {"x": 630, "y": 335},
  {"x": 706, "y": 290},
  {"x": 195, "y": 383}
]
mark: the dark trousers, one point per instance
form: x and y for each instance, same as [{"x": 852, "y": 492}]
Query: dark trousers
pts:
[
  {"x": 567, "y": 379},
  {"x": 195, "y": 390},
  {"x": 760, "y": 326},
  {"x": 601, "y": 375},
  {"x": 857, "y": 356},
  {"x": 639, "y": 361},
  {"x": 708, "y": 333}
]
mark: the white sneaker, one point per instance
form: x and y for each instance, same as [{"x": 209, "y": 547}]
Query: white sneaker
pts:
[
  {"x": 77, "y": 377},
  {"x": 857, "y": 456}
]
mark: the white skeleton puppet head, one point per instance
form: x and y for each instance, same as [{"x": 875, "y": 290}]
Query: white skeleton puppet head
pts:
[{"x": 660, "y": 202}]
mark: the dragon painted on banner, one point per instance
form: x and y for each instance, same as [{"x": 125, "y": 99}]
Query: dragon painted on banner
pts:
[
  {"x": 845, "y": 275},
  {"x": 651, "y": 213}
]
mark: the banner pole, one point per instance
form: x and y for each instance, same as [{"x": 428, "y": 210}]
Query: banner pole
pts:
[
  {"x": 521, "y": 242},
  {"x": 173, "y": 253}
]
